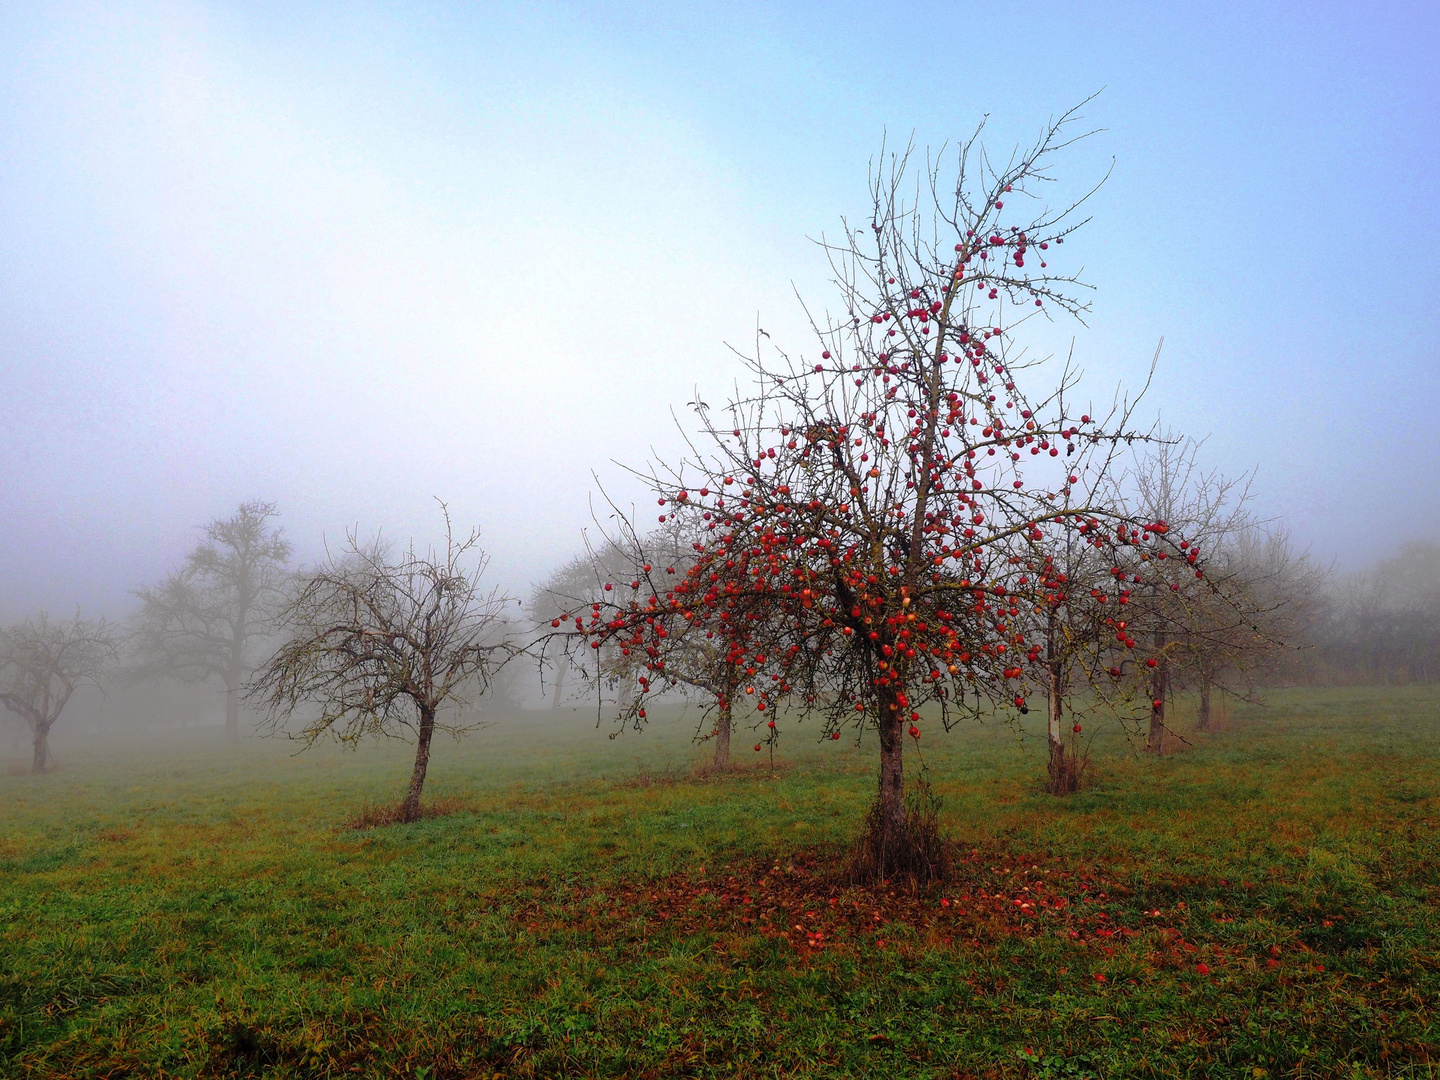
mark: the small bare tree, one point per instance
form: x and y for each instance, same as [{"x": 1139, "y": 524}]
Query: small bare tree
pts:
[
  {"x": 1068, "y": 602},
  {"x": 204, "y": 620},
  {"x": 42, "y": 663},
  {"x": 552, "y": 599},
  {"x": 1266, "y": 595},
  {"x": 1170, "y": 485},
  {"x": 585, "y": 579},
  {"x": 706, "y": 659},
  {"x": 1255, "y": 592},
  {"x": 382, "y": 643}
]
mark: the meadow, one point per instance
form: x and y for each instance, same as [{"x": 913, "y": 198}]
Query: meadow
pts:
[{"x": 1264, "y": 904}]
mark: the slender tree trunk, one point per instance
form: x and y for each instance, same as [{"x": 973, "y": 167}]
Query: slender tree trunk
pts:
[
  {"x": 41, "y": 760},
  {"x": 560, "y": 683},
  {"x": 410, "y": 809},
  {"x": 723, "y": 723},
  {"x": 1062, "y": 775},
  {"x": 892, "y": 773},
  {"x": 232, "y": 707},
  {"x": 1159, "y": 685},
  {"x": 1063, "y": 780},
  {"x": 1203, "y": 722},
  {"x": 626, "y": 697}
]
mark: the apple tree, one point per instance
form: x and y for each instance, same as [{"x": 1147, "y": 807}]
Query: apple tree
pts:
[{"x": 870, "y": 512}]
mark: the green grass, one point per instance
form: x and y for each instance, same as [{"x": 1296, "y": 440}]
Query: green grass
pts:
[{"x": 176, "y": 907}]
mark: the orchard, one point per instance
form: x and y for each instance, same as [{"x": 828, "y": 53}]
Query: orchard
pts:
[{"x": 889, "y": 692}]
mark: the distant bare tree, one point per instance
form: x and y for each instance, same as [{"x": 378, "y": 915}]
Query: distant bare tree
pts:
[
  {"x": 42, "y": 663},
  {"x": 704, "y": 658},
  {"x": 204, "y": 620},
  {"x": 1265, "y": 596},
  {"x": 1383, "y": 624},
  {"x": 1076, "y": 603},
  {"x": 1209, "y": 509},
  {"x": 380, "y": 643},
  {"x": 567, "y": 589},
  {"x": 605, "y": 573},
  {"x": 1255, "y": 595}
]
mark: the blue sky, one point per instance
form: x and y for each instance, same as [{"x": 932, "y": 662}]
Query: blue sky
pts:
[{"x": 352, "y": 257}]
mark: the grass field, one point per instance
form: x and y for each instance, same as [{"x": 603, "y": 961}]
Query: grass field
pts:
[{"x": 1265, "y": 904}]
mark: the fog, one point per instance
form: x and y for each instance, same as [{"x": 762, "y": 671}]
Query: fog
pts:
[{"x": 352, "y": 261}]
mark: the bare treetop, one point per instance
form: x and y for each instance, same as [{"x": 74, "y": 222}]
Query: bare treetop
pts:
[
  {"x": 206, "y": 619},
  {"x": 43, "y": 663},
  {"x": 381, "y": 642}
]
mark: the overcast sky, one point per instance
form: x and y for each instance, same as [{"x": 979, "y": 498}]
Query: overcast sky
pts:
[{"x": 352, "y": 257}]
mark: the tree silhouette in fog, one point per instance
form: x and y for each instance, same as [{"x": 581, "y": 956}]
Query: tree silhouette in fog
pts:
[
  {"x": 43, "y": 663},
  {"x": 380, "y": 643},
  {"x": 205, "y": 619}
]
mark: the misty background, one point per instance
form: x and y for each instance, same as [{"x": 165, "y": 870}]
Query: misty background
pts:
[{"x": 352, "y": 258}]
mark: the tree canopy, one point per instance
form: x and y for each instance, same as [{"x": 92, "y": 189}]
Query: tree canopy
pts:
[{"x": 206, "y": 619}]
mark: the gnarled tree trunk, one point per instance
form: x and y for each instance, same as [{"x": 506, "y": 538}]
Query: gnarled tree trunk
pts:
[
  {"x": 725, "y": 718},
  {"x": 724, "y": 721},
  {"x": 900, "y": 839},
  {"x": 410, "y": 808},
  {"x": 560, "y": 671},
  {"x": 891, "y": 818},
  {"x": 39, "y": 721},
  {"x": 41, "y": 745}
]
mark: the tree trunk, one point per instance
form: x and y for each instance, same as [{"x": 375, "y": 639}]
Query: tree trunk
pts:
[
  {"x": 1159, "y": 684},
  {"x": 626, "y": 697},
  {"x": 1203, "y": 721},
  {"x": 1063, "y": 779},
  {"x": 232, "y": 708},
  {"x": 560, "y": 682},
  {"x": 41, "y": 744},
  {"x": 892, "y": 775},
  {"x": 723, "y": 724},
  {"x": 410, "y": 809}
]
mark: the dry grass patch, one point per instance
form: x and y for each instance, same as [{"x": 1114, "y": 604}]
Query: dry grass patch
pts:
[{"x": 372, "y": 816}]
